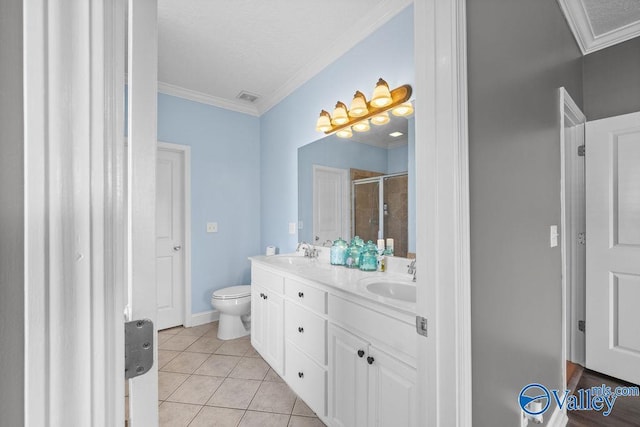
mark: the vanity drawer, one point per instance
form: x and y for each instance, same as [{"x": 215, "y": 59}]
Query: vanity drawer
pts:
[
  {"x": 396, "y": 335},
  {"x": 307, "y": 379},
  {"x": 267, "y": 279},
  {"x": 306, "y": 330},
  {"x": 310, "y": 297}
]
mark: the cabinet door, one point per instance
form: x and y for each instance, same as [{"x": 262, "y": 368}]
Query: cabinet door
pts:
[
  {"x": 257, "y": 318},
  {"x": 392, "y": 390},
  {"x": 347, "y": 379},
  {"x": 274, "y": 331}
]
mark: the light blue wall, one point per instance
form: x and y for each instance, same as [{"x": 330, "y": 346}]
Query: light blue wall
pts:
[
  {"x": 411, "y": 184},
  {"x": 397, "y": 159},
  {"x": 336, "y": 153},
  {"x": 225, "y": 164},
  {"x": 387, "y": 53}
]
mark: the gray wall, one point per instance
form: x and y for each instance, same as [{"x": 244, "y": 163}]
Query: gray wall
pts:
[
  {"x": 519, "y": 53},
  {"x": 11, "y": 216},
  {"x": 612, "y": 81}
]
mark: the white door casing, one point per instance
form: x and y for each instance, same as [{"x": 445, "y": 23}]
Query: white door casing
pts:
[
  {"x": 172, "y": 231},
  {"x": 331, "y": 204},
  {"x": 572, "y": 224},
  {"x": 613, "y": 246},
  {"x": 141, "y": 194}
]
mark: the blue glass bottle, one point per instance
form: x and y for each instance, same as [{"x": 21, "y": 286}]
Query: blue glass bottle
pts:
[
  {"x": 369, "y": 257},
  {"x": 338, "y": 252}
]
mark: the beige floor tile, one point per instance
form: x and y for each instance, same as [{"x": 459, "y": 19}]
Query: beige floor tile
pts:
[
  {"x": 197, "y": 331},
  {"x": 250, "y": 368},
  {"x": 164, "y": 338},
  {"x": 177, "y": 414},
  {"x": 197, "y": 389},
  {"x": 252, "y": 353},
  {"x": 301, "y": 408},
  {"x": 177, "y": 342},
  {"x": 213, "y": 332},
  {"x": 205, "y": 345},
  {"x": 297, "y": 421},
  {"x": 234, "y": 393},
  {"x": 273, "y": 376},
  {"x": 237, "y": 347},
  {"x": 166, "y": 356},
  {"x": 263, "y": 419},
  {"x": 185, "y": 362},
  {"x": 211, "y": 416},
  {"x": 168, "y": 382},
  {"x": 273, "y": 397},
  {"x": 218, "y": 365}
]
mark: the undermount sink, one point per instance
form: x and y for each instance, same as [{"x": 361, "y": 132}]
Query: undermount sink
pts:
[{"x": 394, "y": 290}]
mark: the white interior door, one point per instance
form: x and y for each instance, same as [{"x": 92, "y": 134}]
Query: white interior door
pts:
[
  {"x": 170, "y": 233},
  {"x": 613, "y": 246},
  {"x": 330, "y": 203},
  {"x": 141, "y": 196}
]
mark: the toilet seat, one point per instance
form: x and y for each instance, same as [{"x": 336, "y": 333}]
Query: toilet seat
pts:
[{"x": 232, "y": 292}]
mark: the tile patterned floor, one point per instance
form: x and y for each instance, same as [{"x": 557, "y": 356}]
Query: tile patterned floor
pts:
[{"x": 203, "y": 381}]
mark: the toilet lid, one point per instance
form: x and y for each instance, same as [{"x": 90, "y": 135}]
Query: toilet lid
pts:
[{"x": 232, "y": 292}]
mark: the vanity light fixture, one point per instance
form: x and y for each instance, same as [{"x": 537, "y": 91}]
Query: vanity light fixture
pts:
[{"x": 343, "y": 122}]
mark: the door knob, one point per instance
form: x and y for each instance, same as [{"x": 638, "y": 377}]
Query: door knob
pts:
[
  {"x": 360, "y": 353},
  {"x": 370, "y": 360},
  {"x": 177, "y": 248},
  {"x": 300, "y": 329}
]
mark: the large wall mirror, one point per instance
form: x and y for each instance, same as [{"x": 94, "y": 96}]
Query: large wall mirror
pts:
[{"x": 361, "y": 186}]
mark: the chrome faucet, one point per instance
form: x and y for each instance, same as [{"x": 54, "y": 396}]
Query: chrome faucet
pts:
[
  {"x": 411, "y": 269},
  {"x": 309, "y": 251}
]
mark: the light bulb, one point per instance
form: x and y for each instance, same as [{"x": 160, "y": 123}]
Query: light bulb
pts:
[
  {"x": 344, "y": 133},
  {"x": 380, "y": 119},
  {"x": 339, "y": 116},
  {"x": 381, "y": 95},
  {"x": 358, "y": 105},
  {"x": 404, "y": 109},
  {"x": 362, "y": 126}
]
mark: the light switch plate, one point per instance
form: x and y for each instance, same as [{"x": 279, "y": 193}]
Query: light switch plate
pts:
[
  {"x": 293, "y": 227},
  {"x": 212, "y": 227},
  {"x": 553, "y": 236}
]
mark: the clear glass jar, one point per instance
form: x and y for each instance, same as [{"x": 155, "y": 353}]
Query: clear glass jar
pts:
[
  {"x": 352, "y": 259},
  {"x": 338, "y": 252}
]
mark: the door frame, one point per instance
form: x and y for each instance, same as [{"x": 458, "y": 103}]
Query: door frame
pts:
[
  {"x": 442, "y": 233},
  {"x": 570, "y": 116},
  {"x": 185, "y": 150},
  {"x": 346, "y": 204}
]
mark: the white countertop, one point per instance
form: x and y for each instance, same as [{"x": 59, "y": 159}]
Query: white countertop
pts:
[{"x": 350, "y": 280}]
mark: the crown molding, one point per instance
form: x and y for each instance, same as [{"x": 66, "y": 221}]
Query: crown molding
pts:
[
  {"x": 580, "y": 25},
  {"x": 373, "y": 20},
  {"x": 203, "y": 98}
]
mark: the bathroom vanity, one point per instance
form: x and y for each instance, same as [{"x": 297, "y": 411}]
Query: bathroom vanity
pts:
[{"x": 344, "y": 340}]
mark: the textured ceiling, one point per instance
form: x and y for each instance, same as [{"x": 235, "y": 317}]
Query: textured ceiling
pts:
[
  {"x": 610, "y": 15},
  {"x": 219, "y": 48}
]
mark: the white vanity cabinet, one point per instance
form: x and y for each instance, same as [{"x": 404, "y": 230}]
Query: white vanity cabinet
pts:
[
  {"x": 368, "y": 386},
  {"x": 267, "y": 316}
]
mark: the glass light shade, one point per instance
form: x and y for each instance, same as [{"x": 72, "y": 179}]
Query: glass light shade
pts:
[
  {"x": 404, "y": 109},
  {"x": 380, "y": 119},
  {"x": 344, "y": 133},
  {"x": 381, "y": 95},
  {"x": 362, "y": 126},
  {"x": 339, "y": 116},
  {"x": 358, "y": 105},
  {"x": 324, "y": 122}
]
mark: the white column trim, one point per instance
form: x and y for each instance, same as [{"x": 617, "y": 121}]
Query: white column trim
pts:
[{"x": 442, "y": 202}]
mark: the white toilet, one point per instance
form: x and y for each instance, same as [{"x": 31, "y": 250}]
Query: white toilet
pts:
[{"x": 234, "y": 305}]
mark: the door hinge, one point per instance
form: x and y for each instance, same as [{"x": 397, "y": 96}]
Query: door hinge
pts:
[
  {"x": 581, "y": 150},
  {"x": 581, "y": 325},
  {"x": 138, "y": 347},
  {"x": 421, "y": 325},
  {"x": 582, "y": 238}
]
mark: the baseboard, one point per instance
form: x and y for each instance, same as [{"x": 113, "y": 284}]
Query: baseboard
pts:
[
  {"x": 204, "y": 317},
  {"x": 558, "y": 418}
]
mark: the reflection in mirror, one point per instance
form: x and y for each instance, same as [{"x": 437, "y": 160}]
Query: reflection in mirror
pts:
[{"x": 359, "y": 186}]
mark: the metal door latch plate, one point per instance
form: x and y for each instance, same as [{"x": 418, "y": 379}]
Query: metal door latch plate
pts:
[{"x": 138, "y": 347}]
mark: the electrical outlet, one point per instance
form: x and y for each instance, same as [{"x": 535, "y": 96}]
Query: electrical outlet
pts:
[{"x": 212, "y": 227}]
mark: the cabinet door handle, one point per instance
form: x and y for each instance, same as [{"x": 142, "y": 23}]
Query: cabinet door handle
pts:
[
  {"x": 360, "y": 353},
  {"x": 301, "y": 294},
  {"x": 300, "y": 329},
  {"x": 370, "y": 360},
  {"x": 300, "y": 374}
]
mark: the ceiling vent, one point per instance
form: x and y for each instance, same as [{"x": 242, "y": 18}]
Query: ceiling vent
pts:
[{"x": 247, "y": 96}]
